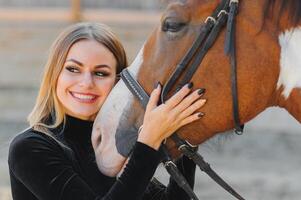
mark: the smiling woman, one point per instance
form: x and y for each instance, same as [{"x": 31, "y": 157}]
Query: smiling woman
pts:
[
  {"x": 54, "y": 158},
  {"x": 67, "y": 55},
  {"x": 83, "y": 86}
]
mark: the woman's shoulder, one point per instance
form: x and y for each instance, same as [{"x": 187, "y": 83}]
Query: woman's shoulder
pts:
[
  {"x": 29, "y": 141},
  {"x": 38, "y": 153},
  {"x": 31, "y": 136}
]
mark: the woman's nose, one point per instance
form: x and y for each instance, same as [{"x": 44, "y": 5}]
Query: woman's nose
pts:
[{"x": 87, "y": 80}]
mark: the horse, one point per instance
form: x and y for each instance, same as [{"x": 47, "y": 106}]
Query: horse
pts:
[{"x": 268, "y": 74}]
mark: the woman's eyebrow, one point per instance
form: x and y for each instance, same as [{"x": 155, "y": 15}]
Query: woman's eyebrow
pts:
[
  {"x": 75, "y": 61},
  {"x": 81, "y": 64},
  {"x": 102, "y": 66}
]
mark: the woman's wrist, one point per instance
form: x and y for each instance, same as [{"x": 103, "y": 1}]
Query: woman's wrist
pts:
[{"x": 147, "y": 139}]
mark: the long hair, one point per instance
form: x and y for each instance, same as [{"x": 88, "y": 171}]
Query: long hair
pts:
[{"x": 48, "y": 112}]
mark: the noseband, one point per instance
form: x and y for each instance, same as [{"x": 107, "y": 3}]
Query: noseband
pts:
[{"x": 224, "y": 14}]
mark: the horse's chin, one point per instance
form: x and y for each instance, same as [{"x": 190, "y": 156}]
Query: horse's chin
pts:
[
  {"x": 108, "y": 159},
  {"x": 109, "y": 163}
]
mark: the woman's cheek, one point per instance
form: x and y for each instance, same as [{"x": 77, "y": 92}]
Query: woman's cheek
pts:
[
  {"x": 106, "y": 86},
  {"x": 65, "y": 79}
]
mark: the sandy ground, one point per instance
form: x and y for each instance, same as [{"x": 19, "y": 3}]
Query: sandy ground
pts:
[{"x": 262, "y": 164}]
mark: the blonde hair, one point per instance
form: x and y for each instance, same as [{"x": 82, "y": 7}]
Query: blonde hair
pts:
[{"x": 48, "y": 112}]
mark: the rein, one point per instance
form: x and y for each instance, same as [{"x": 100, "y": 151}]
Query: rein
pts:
[{"x": 224, "y": 13}]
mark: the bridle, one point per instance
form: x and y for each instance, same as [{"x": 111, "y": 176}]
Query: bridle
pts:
[{"x": 224, "y": 14}]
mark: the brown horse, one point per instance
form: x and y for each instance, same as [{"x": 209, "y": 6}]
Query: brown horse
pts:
[{"x": 268, "y": 40}]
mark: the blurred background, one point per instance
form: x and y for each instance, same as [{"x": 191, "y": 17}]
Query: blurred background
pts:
[{"x": 264, "y": 163}]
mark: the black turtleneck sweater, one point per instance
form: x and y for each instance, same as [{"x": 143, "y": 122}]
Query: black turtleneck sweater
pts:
[{"x": 42, "y": 169}]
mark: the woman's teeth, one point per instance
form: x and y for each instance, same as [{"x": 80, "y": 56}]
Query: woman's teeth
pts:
[{"x": 84, "y": 96}]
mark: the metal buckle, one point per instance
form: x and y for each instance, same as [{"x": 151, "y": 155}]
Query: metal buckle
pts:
[
  {"x": 191, "y": 145},
  {"x": 210, "y": 18},
  {"x": 222, "y": 12},
  {"x": 187, "y": 144},
  {"x": 234, "y": 1},
  {"x": 238, "y": 132},
  {"x": 169, "y": 163}
]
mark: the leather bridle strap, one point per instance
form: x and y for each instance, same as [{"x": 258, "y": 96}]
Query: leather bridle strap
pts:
[
  {"x": 175, "y": 173},
  {"x": 230, "y": 51},
  {"x": 186, "y": 148},
  {"x": 210, "y": 23},
  {"x": 210, "y": 40}
]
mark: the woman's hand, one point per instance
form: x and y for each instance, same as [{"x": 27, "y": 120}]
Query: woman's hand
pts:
[{"x": 163, "y": 120}]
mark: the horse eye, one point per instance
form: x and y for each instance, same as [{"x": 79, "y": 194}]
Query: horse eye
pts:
[{"x": 172, "y": 26}]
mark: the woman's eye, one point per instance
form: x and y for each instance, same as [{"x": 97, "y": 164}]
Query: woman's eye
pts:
[
  {"x": 72, "y": 69},
  {"x": 172, "y": 26},
  {"x": 101, "y": 74}
]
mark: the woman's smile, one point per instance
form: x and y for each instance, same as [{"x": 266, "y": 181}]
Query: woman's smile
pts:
[{"x": 84, "y": 97}]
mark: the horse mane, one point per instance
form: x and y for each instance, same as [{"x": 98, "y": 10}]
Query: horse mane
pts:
[{"x": 293, "y": 7}]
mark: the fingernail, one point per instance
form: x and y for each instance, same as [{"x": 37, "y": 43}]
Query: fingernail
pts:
[
  {"x": 201, "y": 114},
  {"x": 157, "y": 85},
  {"x": 201, "y": 91},
  {"x": 190, "y": 85}
]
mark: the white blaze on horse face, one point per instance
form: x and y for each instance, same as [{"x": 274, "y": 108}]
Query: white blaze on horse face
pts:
[
  {"x": 109, "y": 161},
  {"x": 135, "y": 66},
  {"x": 290, "y": 61}
]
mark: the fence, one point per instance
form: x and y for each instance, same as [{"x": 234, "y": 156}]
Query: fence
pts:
[
  {"x": 124, "y": 4},
  {"x": 74, "y": 10}
]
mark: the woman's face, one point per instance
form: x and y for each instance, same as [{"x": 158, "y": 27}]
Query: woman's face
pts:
[{"x": 87, "y": 77}]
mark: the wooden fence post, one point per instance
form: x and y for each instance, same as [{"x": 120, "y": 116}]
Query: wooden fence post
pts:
[{"x": 76, "y": 10}]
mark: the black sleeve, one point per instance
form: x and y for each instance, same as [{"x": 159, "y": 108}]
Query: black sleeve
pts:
[
  {"x": 41, "y": 166},
  {"x": 158, "y": 191}
]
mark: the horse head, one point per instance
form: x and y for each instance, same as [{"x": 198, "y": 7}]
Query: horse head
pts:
[{"x": 268, "y": 74}]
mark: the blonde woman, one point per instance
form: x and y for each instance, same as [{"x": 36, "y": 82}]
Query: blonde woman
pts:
[{"x": 54, "y": 158}]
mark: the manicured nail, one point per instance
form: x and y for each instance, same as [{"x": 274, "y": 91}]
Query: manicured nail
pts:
[
  {"x": 157, "y": 85},
  {"x": 201, "y": 91},
  {"x": 203, "y": 101},
  {"x": 190, "y": 85},
  {"x": 201, "y": 114}
]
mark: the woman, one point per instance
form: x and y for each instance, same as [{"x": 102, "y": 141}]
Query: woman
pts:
[{"x": 54, "y": 158}]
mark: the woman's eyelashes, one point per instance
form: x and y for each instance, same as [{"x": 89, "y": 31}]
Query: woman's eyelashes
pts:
[
  {"x": 74, "y": 69},
  {"x": 101, "y": 73}
]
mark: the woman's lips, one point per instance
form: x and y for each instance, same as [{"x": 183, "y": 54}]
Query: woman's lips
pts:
[{"x": 84, "y": 97}]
